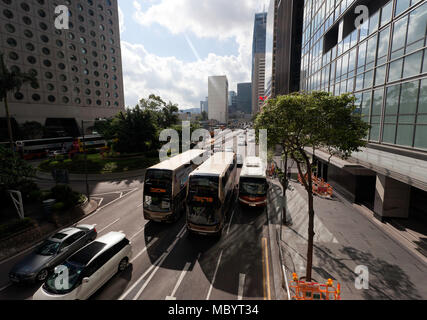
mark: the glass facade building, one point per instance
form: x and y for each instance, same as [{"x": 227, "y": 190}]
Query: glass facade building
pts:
[
  {"x": 381, "y": 58},
  {"x": 383, "y": 62}
]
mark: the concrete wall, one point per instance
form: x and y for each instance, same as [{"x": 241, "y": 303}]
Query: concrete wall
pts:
[
  {"x": 218, "y": 98},
  {"x": 392, "y": 198}
]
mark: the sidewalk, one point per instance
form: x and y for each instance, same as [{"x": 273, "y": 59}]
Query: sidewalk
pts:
[{"x": 345, "y": 238}]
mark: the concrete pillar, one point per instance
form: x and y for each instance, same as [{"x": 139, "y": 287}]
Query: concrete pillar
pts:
[{"x": 392, "y": 198}]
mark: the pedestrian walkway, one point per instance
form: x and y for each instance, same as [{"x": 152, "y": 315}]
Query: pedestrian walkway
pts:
[{"x": 344, "y": 240}]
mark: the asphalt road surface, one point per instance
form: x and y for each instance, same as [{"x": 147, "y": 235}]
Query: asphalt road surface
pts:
[{"x": 167, "y": 262}]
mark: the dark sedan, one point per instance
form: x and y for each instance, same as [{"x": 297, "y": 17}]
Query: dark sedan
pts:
[{"x": 36, "y": 266}]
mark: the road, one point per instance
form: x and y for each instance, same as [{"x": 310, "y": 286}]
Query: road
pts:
[{"x": 167, "y": 262}]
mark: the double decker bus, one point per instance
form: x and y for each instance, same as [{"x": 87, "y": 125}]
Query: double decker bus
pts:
[
  {"x": 39, "y": 148},
  {"x": 210, "y": 191},
  {"x": 253, "y": 186},
  {"x": 165, "y": 186},
  {"x": 94, "y": 141}
]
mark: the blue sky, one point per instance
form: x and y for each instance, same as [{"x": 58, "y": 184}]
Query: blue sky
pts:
[{"x": 170, "y": 47}]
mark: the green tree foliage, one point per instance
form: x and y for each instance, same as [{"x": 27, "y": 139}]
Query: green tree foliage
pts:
[
  {"x": 12, "y": 81},
  {"x": 137, "y": 129},
  {"x": 314, "y": 120},
  {"x": 13, "y": 170}
]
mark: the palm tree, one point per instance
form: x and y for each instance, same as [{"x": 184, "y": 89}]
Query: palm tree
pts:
[{"x": 12, "y": 81}]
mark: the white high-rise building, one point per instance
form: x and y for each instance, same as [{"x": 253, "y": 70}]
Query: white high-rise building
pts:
[{"x": 218, "y": 98}]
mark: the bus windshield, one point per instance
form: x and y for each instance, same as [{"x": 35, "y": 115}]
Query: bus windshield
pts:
[
  {"x": 158, "y": 190},
  {"x": 253, "y": 187},
  {"x": 203, "y": 201}
]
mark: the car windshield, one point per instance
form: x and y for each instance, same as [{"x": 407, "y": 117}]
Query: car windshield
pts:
[
  {"x": 253, "y": 186},
  {"x": 48, "y": 248},
  {"x": 65, "y": 278}
]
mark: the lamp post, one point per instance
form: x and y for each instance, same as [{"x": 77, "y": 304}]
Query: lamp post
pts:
[{"x": 85, "y": 154}]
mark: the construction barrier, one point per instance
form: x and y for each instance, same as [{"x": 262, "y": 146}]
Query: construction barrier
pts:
[
  {"x": 320, "y": 187},
  {"x": 314, "y": 291}
]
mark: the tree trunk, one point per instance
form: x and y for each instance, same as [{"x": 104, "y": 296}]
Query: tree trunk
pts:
[
  {"x": 311, "y": 233},
  {"x": 9, "y": 124}
]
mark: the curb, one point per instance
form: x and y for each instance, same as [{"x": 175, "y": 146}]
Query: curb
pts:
[{"x": 279, "y": 278}]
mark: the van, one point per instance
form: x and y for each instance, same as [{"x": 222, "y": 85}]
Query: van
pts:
[{"x": 88, "y": 269}]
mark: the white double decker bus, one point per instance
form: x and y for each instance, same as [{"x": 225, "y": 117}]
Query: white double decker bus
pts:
[
  {"x": 253, "y": 185},
  {"x": 210, "y": 191},
  {"x": 165, "y": 186}
]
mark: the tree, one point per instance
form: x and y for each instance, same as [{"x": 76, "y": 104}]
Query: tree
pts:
[
  {"x": 13, "y": 170},
  {"x": 314, "y": 120},
  {"x": 12, "y": 81},
  {"x": 205, "y": 116}
]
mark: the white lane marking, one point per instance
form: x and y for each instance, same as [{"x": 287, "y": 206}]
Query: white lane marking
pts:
[
  {"x": 166, "y": 254},
  {"x": 5, "y": 287},
  {"x": 139, "y": 206},
  {"x": 143, "y": 250},
  {"x": 214, "y": 276},
  {"x": 158, "y": 261},
  {"x": 286, "y": 280},
  {"x": 110, "y": 203},
  {"x": 241, "y": 285},
  {"x": 181, "y": 277},
  {"x": 121, "y": 194},
  {"x": 115, "y": 221},
  {"x": 100, "y": 201},
  {"x": 114, "y": 192},
  {"x": 231, "y": 219},
  {"x": 136, "y": 234}
]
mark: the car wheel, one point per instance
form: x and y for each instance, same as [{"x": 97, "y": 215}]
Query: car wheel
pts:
[
  {"x": 123, "y": 264},
  {"x": 42, "y": 275}
]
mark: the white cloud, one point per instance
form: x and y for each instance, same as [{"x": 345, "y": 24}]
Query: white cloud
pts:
[{"x": 186, "y": 82}]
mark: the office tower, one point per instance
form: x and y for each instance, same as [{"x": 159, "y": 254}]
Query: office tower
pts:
[
  {"x": 204, "y": 105},
  {"x": 232, "y": 101},
  {"x": 79, "y": 70},
  {"x": 218, "y": 98},
  {"x": 283, "y": 47},
  {"x": 244, "y": 97},
  {"x": 258, "y": 61},
  {"x": 383, "y": 63}
]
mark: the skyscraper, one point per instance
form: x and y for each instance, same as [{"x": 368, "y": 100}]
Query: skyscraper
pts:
[
  {"x": 79, "y": 70},
  {"x": 218, "y": 98},
  {"x": 283, "y": 47},
  {"x": 258, "y": 60},
  {"x": 383, "y": 63},
  {"x": 244, "y": 97},
  {"x": 232, "y": 101},
  {"x": 204, "y": 106}
]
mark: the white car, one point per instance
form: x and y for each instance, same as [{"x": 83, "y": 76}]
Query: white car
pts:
[
  {"x": 228, "y": 149},
  {"x": 88, "y": 269}
]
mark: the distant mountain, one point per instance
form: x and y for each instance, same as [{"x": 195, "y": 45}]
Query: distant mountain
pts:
[{"x": 192, "y": 110}]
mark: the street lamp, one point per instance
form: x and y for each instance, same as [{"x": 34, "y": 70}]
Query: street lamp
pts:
[{"x": 85, "y": 154}]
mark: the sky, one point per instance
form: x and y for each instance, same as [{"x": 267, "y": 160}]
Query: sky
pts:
[{"x": 171, "y": 47}]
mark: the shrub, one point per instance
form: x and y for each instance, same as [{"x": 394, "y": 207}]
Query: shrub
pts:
[
  {"x": 14, "y": 226},
  {"x": 68, "y": 161},
  {"x": 63, "y": 193},
  {"x": 59, "y": 206}
]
